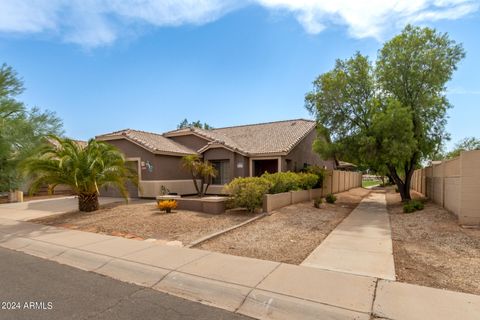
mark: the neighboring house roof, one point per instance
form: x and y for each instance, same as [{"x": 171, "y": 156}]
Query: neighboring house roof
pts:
[
  {"x": 153, "y": 142},
  {"x": 269, "y": 138},
  {"x": 80, "y": 143},
  {"x": 345, "y": 165}
]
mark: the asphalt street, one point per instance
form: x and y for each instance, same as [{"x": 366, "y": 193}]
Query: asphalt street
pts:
[{"x": 33, "y": 288}]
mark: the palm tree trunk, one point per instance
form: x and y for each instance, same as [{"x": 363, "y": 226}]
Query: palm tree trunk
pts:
[{"x": 88, "y": 202}]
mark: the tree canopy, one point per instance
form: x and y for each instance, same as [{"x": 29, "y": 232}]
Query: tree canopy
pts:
[
  {"x": 466, "y": 144},
  {"x": 197, "y": 124},
  {"x": 21, "y": 128},
  {"x": 391, "y": 115}
]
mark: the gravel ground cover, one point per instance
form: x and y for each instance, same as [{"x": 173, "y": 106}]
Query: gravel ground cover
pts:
[
  {"x": 289, "y": 234},
  {"x": 431, "y": 249},
  {"x": 142, "y": 220}
]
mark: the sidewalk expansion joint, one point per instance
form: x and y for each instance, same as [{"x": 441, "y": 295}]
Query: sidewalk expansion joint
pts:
[{"x": 254, "y": 287}]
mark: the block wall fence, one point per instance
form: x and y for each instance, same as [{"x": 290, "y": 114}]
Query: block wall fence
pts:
[
  {"x": 453, "y": 184},
  {"x": 335, "y": 181}
]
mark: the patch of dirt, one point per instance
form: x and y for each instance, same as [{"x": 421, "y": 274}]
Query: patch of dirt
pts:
[
  {"x": 143, "y": 220},
  {"x": 431, "y": 249},
  {"x": 290, "y": 234}
]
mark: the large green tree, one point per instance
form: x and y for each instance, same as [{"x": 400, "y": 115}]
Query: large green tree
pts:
[
  {"x": 389, "y": 116},
  {"x": 21, "y": 128}
]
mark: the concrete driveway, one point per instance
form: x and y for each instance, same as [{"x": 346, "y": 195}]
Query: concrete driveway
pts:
[{"x": 23, "y": 211}]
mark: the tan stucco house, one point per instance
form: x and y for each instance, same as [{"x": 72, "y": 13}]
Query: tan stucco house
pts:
[{"x": 239, "y": 151}]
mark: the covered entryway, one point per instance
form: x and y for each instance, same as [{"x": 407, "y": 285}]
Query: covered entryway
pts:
[
  {"x": 264, "y": 165},
  {"x": 131, "y": 188}
]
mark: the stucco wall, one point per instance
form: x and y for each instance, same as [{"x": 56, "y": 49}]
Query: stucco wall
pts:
[
  {"x": 303, "y": 153},
  {"x": 238, "y": 164},
  {"x": 164, "y": 167},
  {"x": 453, "y": 184}
]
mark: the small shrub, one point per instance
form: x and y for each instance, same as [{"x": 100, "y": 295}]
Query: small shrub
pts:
[
  {"x": 248, "y": 192},
  {"x": 167, "y": 205},
  {"x": 330, "y": 198},
  {"x": 412, "y": 206},
  {"x": 317, "y": 202},
  {"x": 408, "y": 207},
  {"x": 319, "y": 172},
  {"x": 417, "y": 204}
]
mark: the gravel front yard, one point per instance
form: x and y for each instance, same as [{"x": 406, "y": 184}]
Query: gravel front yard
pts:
[
  {"x": 290, "y": 234},
  {"x": 430, "y": 249},
  {"x": 142, "y": 219}
]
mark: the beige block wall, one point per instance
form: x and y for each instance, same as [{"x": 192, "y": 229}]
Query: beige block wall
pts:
[
  {"x": 341, "y": 180},
  {"x": 455, "y": 185},
  {"x": 335, "y": 181},
  {"x": 470, "y": 188}
]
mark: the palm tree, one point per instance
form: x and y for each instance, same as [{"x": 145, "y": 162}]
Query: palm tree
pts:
[
  {"x": 86, "y": 169},
  {"x": 200, "y": 170}
]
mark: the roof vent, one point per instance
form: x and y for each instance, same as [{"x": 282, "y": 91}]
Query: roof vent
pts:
[{"x": 294, "y": 123}]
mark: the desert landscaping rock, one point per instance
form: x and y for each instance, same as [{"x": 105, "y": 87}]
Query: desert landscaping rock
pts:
[
  {"x": 443, "y": 254},
  {"x": 289, "y": 234},
  {"x": 142, "y": 219}
]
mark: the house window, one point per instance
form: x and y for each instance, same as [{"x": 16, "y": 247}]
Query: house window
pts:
[{"x": 222, "y": 168}]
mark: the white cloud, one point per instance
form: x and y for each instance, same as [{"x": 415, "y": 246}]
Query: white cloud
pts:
[{"x": 93, "y": 23}]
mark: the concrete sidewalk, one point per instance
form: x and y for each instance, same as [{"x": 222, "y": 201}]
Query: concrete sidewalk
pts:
[
  {"x": 361, "y": 244},
  {"x": 256, "y": 288},
  {"x": 34, "y": 209}
]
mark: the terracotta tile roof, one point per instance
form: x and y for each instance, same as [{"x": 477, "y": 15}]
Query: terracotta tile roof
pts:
[
  {"x": 255, "y": 139},
  {"x": 153, "y": 142}
]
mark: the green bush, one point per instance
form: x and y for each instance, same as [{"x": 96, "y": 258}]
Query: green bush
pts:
[
  {"x": 282, "y": 181},
  {"x": 319, "y": 172},
  {"x": 290, "y": 181},
  {"x": 248, "y": 192},
  {"x": 317, "y": 202},
  {"x": 307, "y": 181},
  {"x": 330, "y": 198},
  {"x": 417, "y": 204},
  {"x": 408, "y": 207},
  {"x": 412, "y": 206}
]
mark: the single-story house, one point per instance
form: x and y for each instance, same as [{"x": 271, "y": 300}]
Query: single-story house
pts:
[{"x": 239, "y": 151}]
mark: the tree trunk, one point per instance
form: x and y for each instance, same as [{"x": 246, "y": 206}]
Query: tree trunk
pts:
[
  {"x": 195, "y": 184},
  {"x": 403, "y": 187},
  {"x": 88, "y": 202}
]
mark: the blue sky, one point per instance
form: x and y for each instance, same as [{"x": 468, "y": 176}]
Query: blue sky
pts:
[{"x": 108, "y": 65}]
